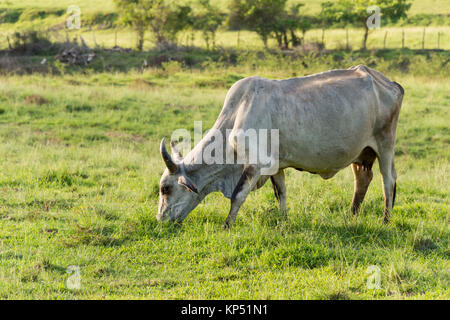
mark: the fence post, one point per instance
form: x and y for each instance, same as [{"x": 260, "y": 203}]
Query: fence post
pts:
[
  {"x": 423, "y": 39},
  {"x": 439, "y": 38},
  {"x": 346, "y": 36},
  {"x": 239, "y": 38},
  {"x": 403, "y": 38},
  {"x": 9, "y": 43},
  {"x": 384, "y": 41},
  {"x": 93, "y": 37},
  {"x": 323, "y": 37}
]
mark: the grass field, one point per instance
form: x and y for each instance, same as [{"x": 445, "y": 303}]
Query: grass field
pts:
[
  {"x": 311, "y": 6},
  {"x": 79, "y": 186},
  {"x": 435, "y": 35},
  {"x": 335, "y": 38},
  {"x": 29, "y": 17},
  {"x": 80, "y": 171}
]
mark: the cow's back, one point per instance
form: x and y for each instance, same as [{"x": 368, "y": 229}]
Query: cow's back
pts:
[{"x": 324, "y": 120}]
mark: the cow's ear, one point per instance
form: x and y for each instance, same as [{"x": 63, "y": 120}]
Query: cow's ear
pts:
[
  {"x": 176, "y": 153},
  {"x": 187, "y": 183}
]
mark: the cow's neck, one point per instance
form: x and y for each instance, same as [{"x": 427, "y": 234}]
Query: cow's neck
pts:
[{"x": 211, "y": 177}]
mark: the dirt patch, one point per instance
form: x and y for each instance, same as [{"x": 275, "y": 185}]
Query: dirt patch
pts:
[
  {"x": 126, "y": 136},
  {"x": 141, "y": 84},
  {"x": 307, "y": 48},
  {"x": 9, "y": 64},
  {"x": 424, "y": 244},
  {"x": 22, "y": 65},
  {"x": 36, "y": 99}
]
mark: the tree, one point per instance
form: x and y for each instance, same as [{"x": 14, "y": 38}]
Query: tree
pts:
[
  {"x": 304, "y": 26},
  {"x": 138, "y": 14},
  {"x": 335, "y": 13},
  {"x": 236, "y": 17},
  {"x": 355, "y": 12},
  {"x": 327, "y": 17},
  {"x": 165, "y": 19},
  {"x": 169, "y": 19},
  {"x": 261, "y": 16},
  {"x": 208, "y": 20},
  {"x": 288, "y": 22},
  {"x": 302, "y": 23}
]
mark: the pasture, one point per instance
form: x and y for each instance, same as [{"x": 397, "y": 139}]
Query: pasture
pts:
[
  {"x": 45, "y": 15},
  {"x": 80, "y": 169},
  {"x": 313, "y": 6},
  {"x": 79, "y": 186}
]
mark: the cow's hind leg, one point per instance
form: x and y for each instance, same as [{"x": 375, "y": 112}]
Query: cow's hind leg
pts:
[
  {"x": 386, "y": 160},
  {"x": 363, "y": 176},
  {"x": 279, "y": 188},
  {"x": 246, "y": 183},
  {"x": 362, "y": 171}
]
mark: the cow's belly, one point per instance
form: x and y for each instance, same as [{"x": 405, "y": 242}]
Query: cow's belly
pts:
[
  {"x": 325, "y": 145},
  {"x": 320, "y": 160}
]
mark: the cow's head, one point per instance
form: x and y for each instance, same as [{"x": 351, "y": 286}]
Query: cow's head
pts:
[{"x": 178, "y": 195}]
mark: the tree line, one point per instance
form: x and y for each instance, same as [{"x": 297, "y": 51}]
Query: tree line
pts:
[{"x": 270, "y": 19}]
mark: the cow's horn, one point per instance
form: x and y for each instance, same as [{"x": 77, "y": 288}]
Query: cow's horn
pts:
[{"x": 171, "y": 165}]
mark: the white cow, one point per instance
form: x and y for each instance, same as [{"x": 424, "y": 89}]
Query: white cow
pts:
[{"x": 326, "y": 122}]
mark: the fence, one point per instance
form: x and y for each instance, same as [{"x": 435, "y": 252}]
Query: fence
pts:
[{"x": 412, "y": 38}]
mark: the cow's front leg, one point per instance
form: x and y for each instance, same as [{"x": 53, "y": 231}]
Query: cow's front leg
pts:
[{"x": 248, "y": 180}]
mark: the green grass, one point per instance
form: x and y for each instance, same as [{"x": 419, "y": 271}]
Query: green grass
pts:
[
  {"x": 85, "y": 5},
  {"x": 79, "y": 175},
  {"x": 80, "y": 170},
  {"x": 311, "y": 6},
  {"x": 50, "y": 17},
  {"x": 334, "y": 39}
]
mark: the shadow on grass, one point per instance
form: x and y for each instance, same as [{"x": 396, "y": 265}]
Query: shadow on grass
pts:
[
  {"x": 358, "y": 233},
  {"x": 95, "y": 236}
]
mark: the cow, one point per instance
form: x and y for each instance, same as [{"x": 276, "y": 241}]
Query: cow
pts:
[{"x": 325, "y": 121}]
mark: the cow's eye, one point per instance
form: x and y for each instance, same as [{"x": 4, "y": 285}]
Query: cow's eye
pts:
[{"x": 164, "y": 189}]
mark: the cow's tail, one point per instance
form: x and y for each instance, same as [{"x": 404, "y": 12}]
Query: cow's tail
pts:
[
  {"x": 402, "y": 91},
  {"x": 398, "y": 107},
  {"x": 399, "y": 99},
  {"x": 401, "y": 95}
]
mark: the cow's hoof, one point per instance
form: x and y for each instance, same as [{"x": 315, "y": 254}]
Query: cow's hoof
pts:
[{"x": 226, "y": 226}]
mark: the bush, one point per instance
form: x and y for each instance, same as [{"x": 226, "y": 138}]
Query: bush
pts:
[
  {"x": 100, "y": 20},
  {"x": 33, "y": 14},
  {"x": 31, "y": 43},
  {"x": 10, "y": 15},
  {"x": 426, "y": 20}
]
